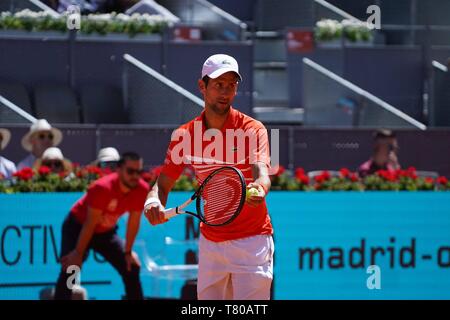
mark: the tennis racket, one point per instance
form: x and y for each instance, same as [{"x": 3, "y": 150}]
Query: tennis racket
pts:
[{"x": 219, "y": 199}]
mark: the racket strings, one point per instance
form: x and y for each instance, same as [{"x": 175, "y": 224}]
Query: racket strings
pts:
[{"x": 221, "y": 197}]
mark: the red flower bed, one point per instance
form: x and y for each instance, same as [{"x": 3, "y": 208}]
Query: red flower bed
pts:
[{"x": 43, "y": 180}]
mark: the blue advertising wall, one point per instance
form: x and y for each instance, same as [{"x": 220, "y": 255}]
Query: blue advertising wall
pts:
[
  {"x": 408, "y": 233},
  {"x": 325, "y": 241},
  {"x": 30, "y": 236}
]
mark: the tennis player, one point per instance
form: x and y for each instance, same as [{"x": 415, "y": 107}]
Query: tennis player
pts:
[
  {"x": 92, "y": 224},
  {"x": 235, "y": 260}
]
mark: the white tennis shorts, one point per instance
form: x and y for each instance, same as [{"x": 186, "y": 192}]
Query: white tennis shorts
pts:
[{"x": 235, "y": 270}]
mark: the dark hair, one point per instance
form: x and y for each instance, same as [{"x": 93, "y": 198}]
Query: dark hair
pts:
[
  {"x": 206, "y": 80},
  {"x": 383, "y": 134},
  {"x": 133, "y": 156}
]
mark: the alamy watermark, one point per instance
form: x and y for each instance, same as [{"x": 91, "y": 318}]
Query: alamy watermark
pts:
[
  {"x": 74, "y": 279},
  {"x": 374, "y": 280},
  {"x": 232, "y": 147},
  {"x": 73, "y": 18},
  {"x": 374, "y": 20}
]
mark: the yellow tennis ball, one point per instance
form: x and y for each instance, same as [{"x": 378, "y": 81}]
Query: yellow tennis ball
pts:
[{"x": 252, "y": 192}]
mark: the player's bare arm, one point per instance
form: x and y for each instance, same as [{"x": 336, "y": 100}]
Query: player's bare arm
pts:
[
  {"x": 261, "y": 182},
  {"x": 75, "y": 257},
  {"x": 154, "y": 210}
]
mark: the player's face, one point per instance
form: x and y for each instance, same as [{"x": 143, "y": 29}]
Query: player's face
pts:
[
  {"x": 130, "y": 173},
  {"x": 220, "y": 92}
]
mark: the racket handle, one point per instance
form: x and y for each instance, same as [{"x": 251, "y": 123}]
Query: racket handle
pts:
[{"x": 169, "y": 213}]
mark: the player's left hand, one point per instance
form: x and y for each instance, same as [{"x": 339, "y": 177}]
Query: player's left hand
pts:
[
  {"x": 132, "y": 259},
  {"x": 255, "y": 200}
]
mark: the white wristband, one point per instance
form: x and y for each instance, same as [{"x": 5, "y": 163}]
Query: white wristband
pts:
[{"x": 150, "y": 201}]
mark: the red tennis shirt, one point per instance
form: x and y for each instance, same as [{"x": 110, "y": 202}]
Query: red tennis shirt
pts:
[
  {"x": 204, "y": 159},
  {"x": 105, "y": 194}
]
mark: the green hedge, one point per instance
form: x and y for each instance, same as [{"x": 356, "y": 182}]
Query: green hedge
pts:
[
  {"x": 101, "y": 24},
  {"x": 352, "y": 30}
]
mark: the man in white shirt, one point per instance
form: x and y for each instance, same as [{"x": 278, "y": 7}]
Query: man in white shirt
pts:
[
  {"x": 40, "y": 137},
  {"x": 7, "y": 168}
]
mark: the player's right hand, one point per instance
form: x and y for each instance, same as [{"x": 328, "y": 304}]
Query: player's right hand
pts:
[{"x": 154, "y": 212}]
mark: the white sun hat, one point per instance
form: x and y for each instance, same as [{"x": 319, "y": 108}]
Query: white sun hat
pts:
[
  {"x": 6, "y": 136},
  {"x": 218, "y": 64},
  {"x": 52, "y": 153},
  {"x": 108, "y": 154},
  {"x": 39, "y": 126}
]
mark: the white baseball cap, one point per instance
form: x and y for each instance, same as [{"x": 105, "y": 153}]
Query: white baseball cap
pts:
[{"x": 218, "y": 64}]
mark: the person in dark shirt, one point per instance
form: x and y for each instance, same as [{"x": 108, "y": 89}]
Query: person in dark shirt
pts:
[{"x": 384, "y": 155}]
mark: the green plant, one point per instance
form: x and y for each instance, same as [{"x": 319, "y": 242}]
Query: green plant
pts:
[
  {"x": 43, "y": 180},
  {"x": 91, "y": 24},
  {"x": 352, "y": 30},
  {"x": 327, "y": 29},
  {"x": 356, "y": 30},
  {"x": 346, "y": 181}
]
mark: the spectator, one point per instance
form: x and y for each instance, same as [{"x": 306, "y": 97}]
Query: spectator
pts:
[
  {"x": 86, "y": 6},
  {"x": 384, "y": 155},
  {"x": 107, "y": 158},
  {"x": 96, "y": 6},
  {"x": 51, "y": 3},
  {"x": 54, "y": 160},
  {"x": 54, "y": 4},
  {"x": 7, "y": 168},
  {"x": 40, "y": 137},
  {"x": 124, "y": 5}
]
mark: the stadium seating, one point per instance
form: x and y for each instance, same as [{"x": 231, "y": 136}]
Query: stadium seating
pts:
[
  {"x": 102, "y": 104},
  {"x": 436, "y": 12},
  {"x": 294, "y": 13},
  {"x": 151, "y": 7},
  {"x": 241, "y": 9},
  {"x": 274, "y": 94},
  {"x": 355, "y": 8},
  {"x": 441, "y": 99},
  {"x": 5, "y": 6},
  {"x": 57, "y": 103},
  {"x": 17, "y": 5},
  {"x": 399, "y": 15},
  {"x": 270, "y": 86},
  {"x": 218, "y": 25},
  {"x": 396, "y": 12},
  {"x": 17, "y": 93}
]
